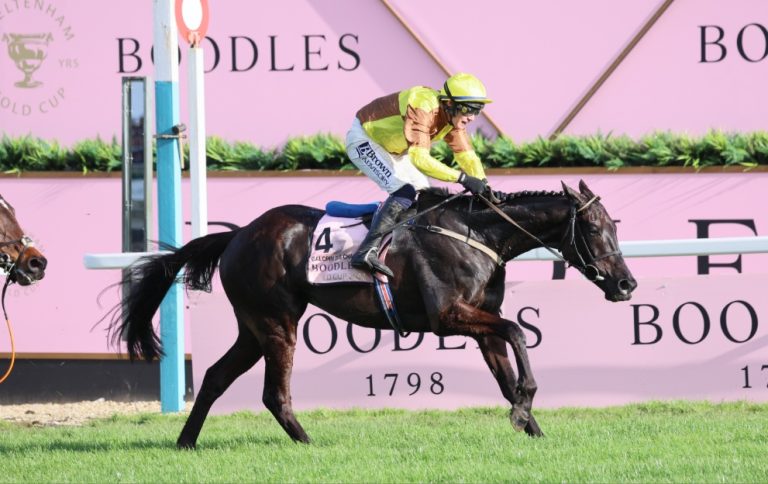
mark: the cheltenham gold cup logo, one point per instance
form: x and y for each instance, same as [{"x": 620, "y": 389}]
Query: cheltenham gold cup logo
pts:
[{"x": 28, "y": 51}]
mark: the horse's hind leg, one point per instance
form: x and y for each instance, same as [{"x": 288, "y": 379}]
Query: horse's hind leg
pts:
[
  {"x": 278, "y": 352},
  {"x": 494, "y": 351},
  {"x": 240, "y": 357}
]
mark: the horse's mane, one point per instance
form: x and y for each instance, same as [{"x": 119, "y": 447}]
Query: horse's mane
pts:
[{"x": 434, "y": 195}]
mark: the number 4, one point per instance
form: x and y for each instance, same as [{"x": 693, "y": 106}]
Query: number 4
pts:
[{"x": 324, "y": 241}]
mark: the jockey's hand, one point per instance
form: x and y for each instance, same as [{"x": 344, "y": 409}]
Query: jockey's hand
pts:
[
  {"x": 475, "y": 185},
  {"x": 490, "y": 194}
]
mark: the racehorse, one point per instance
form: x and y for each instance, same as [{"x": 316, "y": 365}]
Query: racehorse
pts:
[
  {"x": 23, "y": 263},
  {"x": 441, "y": 284}
]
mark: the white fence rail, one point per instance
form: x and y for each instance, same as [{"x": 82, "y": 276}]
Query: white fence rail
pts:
[
  {"x": 676, "y": 247},
  {"x": 638, "y": 248}
]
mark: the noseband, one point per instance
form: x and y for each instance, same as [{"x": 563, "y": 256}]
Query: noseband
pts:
[{"x": 6, "y": 263}]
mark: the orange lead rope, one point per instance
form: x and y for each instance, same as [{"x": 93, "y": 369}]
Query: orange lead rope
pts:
[
  {"x": 27, "y": 242},
  {"x": 10, "y": 333},
  {"x": 13, "y": 351}
]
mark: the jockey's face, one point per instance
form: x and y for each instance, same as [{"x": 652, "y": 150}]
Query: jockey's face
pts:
[
  {"x": 463, "y": 116},
  {"x": 461, "y": 121}
]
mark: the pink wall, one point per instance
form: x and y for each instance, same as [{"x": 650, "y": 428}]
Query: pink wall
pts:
[
  {"x": 586, "y": 354},
  {"x": 73, "y": 216},
  {"x": 537, "y": 59}
]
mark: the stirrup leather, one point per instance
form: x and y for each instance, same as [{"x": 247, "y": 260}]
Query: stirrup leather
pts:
[{"x": 371, "y": 260}]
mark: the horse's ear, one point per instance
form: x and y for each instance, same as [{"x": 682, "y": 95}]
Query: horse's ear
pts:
[
  {"x": 584, "y": 189},
  {"x": 570, "y": 192}
]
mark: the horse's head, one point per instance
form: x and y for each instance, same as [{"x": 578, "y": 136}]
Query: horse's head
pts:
[
  {"x": 591, "y": 245},
  {"x": 18, "y": 256}
]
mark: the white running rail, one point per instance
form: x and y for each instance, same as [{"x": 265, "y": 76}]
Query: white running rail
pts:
[{"x": 637, "y": 248}]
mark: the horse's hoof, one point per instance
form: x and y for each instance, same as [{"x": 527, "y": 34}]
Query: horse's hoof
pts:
[
  {"x": 519, "y": 418},
  {"x": 532, "y": 429},
  {"x": 185, "y": 445},
  {"x": 302, "y": 438}
]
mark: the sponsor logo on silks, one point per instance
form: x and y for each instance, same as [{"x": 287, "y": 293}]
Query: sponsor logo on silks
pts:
[
  {"x": 36, "y": 49},
  {"x": 378, "y": 167}
]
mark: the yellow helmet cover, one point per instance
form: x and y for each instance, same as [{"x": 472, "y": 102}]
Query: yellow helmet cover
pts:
[{"x": 464, "y": 88}]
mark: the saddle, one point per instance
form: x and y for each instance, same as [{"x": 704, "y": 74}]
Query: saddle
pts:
[
  {"x": 363, "y": 211},
  {"x": 351, "y": 210},
  {"x": 336, "y": 238}
]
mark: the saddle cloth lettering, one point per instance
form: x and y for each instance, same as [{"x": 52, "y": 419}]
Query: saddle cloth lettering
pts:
[{"x": 334, "y": 242}]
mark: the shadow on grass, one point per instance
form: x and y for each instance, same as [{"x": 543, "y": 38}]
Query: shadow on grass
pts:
[
  {"x": 143, "y": 432},
  {"x": 232, "y": 443}
]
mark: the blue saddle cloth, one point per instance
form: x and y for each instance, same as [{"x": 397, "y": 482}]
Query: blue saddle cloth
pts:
[{"x": 350, "y": 210}]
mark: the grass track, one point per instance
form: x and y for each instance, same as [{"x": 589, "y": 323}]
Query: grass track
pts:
[{"x": 655, "y": 442}]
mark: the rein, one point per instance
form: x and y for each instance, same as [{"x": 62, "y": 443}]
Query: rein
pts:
[
  {"x": 449, "y": 233},
  {"x": 419, "y": 214},
  {"x": 8, "y": 266},
  {"x": 588, "y": 268},
  {"x": 519, "y": 227},
  {"x": 590, "y": 271}
]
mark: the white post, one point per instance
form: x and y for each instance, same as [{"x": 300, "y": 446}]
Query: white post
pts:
[{"x": 197, "y": 159}]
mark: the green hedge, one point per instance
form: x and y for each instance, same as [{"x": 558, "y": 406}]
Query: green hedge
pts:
[{"x": 325, "y": 151}]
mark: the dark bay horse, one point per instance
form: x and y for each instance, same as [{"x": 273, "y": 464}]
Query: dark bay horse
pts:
[
  {"x": 441, "y": 284},
  {"x": 23, "y": 263}
]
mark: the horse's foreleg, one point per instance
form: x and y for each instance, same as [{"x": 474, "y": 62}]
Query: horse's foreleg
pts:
[
  {"x": 468, "y": 320},
  {"x": 494, "y": 351},
  {"x": 240, "y": 357},
  {"x": 526, "y": 384},
  {"x": 278, "y": 352}
]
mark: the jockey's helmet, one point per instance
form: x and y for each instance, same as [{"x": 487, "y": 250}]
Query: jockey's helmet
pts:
[{"x": 463, "y": 88}]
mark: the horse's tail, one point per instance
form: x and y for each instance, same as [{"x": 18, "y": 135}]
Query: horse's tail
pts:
[{"x": 149, "y": 280}]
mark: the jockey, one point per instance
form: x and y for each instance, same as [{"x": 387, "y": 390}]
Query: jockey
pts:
[{"x": 390, "y": 140}]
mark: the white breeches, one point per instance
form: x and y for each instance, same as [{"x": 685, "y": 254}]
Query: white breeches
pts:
[{"x": 388, "y": 171}]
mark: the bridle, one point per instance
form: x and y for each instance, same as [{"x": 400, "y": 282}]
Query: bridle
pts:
[
  {"x": 573, "y": 237},
  {"x": 8, "y": 265}
]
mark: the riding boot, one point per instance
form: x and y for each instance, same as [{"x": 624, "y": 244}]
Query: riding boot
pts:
[{"x": 367, "y": 255}]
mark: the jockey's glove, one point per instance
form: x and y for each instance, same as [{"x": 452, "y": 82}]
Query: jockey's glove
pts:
[{"x": 475, "y": 185}]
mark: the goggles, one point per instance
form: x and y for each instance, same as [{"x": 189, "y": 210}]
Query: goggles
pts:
[{"x": 469, "y": 109}]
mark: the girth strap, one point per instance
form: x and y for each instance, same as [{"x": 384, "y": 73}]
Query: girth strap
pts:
[{"x": 471, "y": 242}]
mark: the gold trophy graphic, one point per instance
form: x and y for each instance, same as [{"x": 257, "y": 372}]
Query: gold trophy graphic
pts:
[{"x": 28, "y": 52}]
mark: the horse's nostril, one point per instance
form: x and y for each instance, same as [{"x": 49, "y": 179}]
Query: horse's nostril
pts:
[
  {"x": 626, "y": 285},
  {"x": 37, "y": 264}
]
